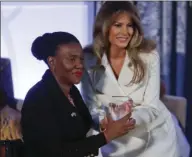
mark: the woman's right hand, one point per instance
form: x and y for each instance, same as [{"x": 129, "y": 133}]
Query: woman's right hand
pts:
[{"x": 114, "y": 129}]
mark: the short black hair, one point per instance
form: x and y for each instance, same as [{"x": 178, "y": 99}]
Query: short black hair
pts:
[{"x": 47, "y": 44}]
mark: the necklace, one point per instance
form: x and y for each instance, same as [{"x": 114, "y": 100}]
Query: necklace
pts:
[{"x": 70, "y": 99}]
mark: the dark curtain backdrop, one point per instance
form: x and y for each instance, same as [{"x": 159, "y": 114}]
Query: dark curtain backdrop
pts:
[
  {"x": 169, "y": 25},
  {"x": 188, "y": 73},
  {"x": 165, "y": 22}
]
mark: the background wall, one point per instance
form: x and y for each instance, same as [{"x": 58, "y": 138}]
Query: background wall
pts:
[{"x": 22, "y": 22}]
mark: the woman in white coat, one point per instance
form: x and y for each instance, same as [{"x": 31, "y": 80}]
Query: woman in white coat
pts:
[{"x": 126, "y": 65}]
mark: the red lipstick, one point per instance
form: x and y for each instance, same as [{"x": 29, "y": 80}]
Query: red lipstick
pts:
[{"x": 79, "y": 73}]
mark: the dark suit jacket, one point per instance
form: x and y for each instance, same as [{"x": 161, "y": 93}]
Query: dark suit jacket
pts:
[{"x": 53, "y": 127}]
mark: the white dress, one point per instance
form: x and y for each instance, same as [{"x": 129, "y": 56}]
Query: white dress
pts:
[{"x": 155, "y": 132}]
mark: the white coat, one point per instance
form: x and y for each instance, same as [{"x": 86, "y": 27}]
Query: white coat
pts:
[{"x": 155, "y": 134}]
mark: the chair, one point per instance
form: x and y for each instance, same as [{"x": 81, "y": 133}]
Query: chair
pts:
[{"x": 176, "y": 105}]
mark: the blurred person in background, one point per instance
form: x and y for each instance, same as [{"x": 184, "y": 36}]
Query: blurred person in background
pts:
[
  {"x": 125, "y": 64},
  {"x": 55, "y": 120},
  {"x": 10, "y": 130}
]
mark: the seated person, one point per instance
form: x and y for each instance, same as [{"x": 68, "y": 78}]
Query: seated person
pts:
[{"x": 10, "y": 133}]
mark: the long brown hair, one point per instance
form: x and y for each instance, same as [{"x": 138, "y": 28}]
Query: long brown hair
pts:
[{"x": 138, "y": 44}]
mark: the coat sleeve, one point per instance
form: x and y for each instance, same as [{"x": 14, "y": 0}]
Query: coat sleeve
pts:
[
  {"x": 148, "y": 112},
  {"x": 87, "y": 89},
  {"x": 41, "y": 133},
  {"x": 89, "y": 96}
]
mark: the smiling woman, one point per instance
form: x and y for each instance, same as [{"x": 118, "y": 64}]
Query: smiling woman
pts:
[
  {"x": 55, "y": 120},
  {"x": 127, "y": 66},
  {"x": 118, "y": 35}
]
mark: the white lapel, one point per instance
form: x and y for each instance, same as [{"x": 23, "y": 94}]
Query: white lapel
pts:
[
  {"x": 102, "y": 77},
  {"x": 125, "y": 78},
  {"x": 105, "y": 82}
]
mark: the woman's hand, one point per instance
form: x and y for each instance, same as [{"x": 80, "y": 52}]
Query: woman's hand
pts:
[{"x": 113, "y": 129}]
